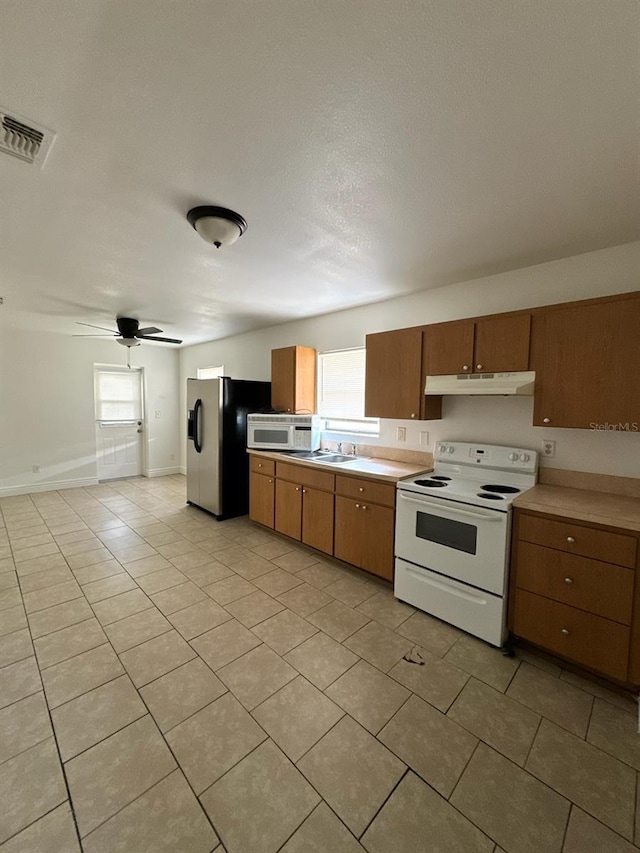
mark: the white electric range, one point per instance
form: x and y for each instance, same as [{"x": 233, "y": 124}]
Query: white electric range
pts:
[{"x": 453, "y": 529}]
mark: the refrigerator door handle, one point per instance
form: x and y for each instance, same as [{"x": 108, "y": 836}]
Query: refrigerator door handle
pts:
[{"x": 196, "y": 428}]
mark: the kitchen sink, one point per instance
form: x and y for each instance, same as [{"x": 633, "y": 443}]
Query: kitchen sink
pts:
[
  {"x": 334, "y": 458},
  {"x": 322, "y": 456}
]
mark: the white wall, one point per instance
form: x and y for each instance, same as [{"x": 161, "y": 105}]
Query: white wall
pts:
[
  {"x": 46, "y": 407},
  {"x": 496, "y": 420}
]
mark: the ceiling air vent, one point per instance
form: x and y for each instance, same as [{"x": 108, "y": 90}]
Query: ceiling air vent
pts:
[{"x": 23, "y": 139}]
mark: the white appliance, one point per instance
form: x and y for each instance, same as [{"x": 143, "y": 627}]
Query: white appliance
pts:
[
  {"x": 283, "y": 432},
  {"x": 452, "y": 534},
  {"x": 506, "y": 384}
]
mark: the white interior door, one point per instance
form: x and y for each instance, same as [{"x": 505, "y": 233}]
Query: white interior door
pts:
[{"x": 119, "y": 422}]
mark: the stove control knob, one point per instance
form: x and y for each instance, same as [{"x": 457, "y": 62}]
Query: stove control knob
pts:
[
  {"x": 513, "y": 457},
  {"x": 442, "y": 448},
  {"x": 449, "y": 449},
  {"x": 524, "y": 457}
]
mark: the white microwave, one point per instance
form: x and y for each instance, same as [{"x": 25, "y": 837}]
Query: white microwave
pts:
[{"x": 283, "y": 432}]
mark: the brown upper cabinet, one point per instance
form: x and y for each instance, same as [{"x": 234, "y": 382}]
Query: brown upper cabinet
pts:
[
  {"x": 587, "y": 363},
  {"x": 293, "y": 379},
  {"x": 394, "y": 385},
  {"x": 486, "y": 345}
]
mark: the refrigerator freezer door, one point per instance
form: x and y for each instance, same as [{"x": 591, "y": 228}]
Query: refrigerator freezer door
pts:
[
  {"x": 210, "y": 436},
  {"x": 193, "y": 458}
]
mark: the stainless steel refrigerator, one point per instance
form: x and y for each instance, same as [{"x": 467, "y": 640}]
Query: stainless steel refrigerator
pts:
[{"x": 217, "y": 459}]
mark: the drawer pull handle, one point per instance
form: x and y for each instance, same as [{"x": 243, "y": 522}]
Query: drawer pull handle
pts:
[
  {"x": 565, "y": 632},
  {"x": 259, "y": 464},
  {"x": 360, "y": 489},
  {"x": 570, "y": 539},
  {"x": 271, "y": 481},
  {"x": 357, "y": 506},
  {"x": 297, "y": 488},
  {"x": 364, "y": 506},
  {"x": 568, "y": 580},
  {"x": 304, "y": 491}
]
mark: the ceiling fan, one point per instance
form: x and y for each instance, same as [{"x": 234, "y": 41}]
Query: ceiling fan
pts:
[{"x": 129, "y": 333}]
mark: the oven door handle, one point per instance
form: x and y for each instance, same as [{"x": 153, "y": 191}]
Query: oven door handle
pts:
[{"x": 445, "y": 506}]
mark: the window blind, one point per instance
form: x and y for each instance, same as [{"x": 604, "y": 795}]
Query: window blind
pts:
[
  {"x": 210, "y": 372},
  {"x": 118, "y": 395},
  {"x": 341, "y": 391}
]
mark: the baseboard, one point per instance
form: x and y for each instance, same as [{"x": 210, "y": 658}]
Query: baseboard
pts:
[
  {"x": 51, "y": 486},
  {"x": 164, "y": 472},
  {"x": 183, "y": 470}
]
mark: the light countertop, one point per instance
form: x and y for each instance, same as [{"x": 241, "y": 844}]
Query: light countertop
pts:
[
  {"x": 583, "y": 505},
  {"x": 373, "y": 468}
]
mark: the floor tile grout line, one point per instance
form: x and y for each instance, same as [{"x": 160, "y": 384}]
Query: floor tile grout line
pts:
[
  {"x": 54, "y": 735},
  {"x": 406, "y": 772},
  {"x": 33, "y": 822}
]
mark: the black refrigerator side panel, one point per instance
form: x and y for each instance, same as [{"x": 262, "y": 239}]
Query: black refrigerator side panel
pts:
[{"x": 240, "y": 397}]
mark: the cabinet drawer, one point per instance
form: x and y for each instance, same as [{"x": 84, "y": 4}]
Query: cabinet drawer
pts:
[
  {"x": 572, "y": 537},
  {"x": 357, "y": 487},
  {"x": 599, "y": 588},
  {"x": 305, "y": 476},
  {"x": 263, "y": 466},
  {"x": 595, "y": 642}
]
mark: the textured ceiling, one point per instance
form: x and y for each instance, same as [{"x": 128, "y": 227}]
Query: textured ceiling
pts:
[{"x": 374, "y": 148}]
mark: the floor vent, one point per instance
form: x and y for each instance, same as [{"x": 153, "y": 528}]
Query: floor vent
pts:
[{"x": 23, "y": 139}]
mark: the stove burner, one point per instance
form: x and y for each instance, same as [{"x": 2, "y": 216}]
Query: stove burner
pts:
[
  {"x": 490, "y": 497},
  {"x": 439, "y": 477},
  {"x": 432, "y": 484},
  {"x": 501, "y": 490}
]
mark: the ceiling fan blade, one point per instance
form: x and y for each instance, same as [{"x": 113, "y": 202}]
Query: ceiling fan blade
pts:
[
  {"x": 91, "y": 336},
  {"x": 91, "y": 326},
  {"x": 161, "y": 340},
  {"x": 150, "y": 330}
]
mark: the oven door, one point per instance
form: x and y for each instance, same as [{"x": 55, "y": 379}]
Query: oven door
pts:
[
  {"x": 270, "y": 436},
  {"x": 454, "y": 539}
]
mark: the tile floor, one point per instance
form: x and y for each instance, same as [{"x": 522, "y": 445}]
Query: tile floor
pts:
[{"x": 172, "y": 683}]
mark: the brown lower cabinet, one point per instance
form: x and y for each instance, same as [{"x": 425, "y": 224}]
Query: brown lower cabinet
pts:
[
  {"x": 352, "y": 518},
  {"x": 364, "y": 536},
  {"x": 574, "y": 592},
  {"x": 262, "y": 499}
]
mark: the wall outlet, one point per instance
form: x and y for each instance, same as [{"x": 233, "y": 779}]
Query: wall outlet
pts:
[
  {"x": 401, "y": 433},
  {"x": 548, "y": 448},
  {"x": 36, "y": 469},
  {"x": 424, "y": 438}
]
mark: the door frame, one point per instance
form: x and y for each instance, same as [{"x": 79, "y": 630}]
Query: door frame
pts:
[{"x": 144, "y": 442}]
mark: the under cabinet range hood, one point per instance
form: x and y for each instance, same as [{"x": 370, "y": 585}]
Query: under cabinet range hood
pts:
[{"x": 488, "y": 384}]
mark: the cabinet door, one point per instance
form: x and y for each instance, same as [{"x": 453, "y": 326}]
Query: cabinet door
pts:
[
  {"x": 449, "y": 348},
  {"x": 283, "y": 379},
  {"x": 502, "y": 344},
  {"x": 349, "y": 531},
  {"x": 289, "y": 509},
  {"x": 262, "y": 499},
  {"x": 587, "y": 363},
  {"x": 393, "y": 386},
  {"x": 317, "y": 519},
  {"x": 378, "y": 540}
]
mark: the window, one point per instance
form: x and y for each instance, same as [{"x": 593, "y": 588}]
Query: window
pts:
[
  {"x": 118, "y": 395},
  {"x": 210, "y": 372},
  {"x": 341, "y": 392}
]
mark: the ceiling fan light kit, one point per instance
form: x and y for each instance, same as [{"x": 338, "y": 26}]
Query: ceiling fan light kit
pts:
[
  {"x": 217, "y": 225},
  {"x": 129, "y": 333},
  {"x": 128, "y": 342}
]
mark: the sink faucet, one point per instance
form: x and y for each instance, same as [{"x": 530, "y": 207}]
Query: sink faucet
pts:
[
  {"x": 354, "y": 449},
  {"x": 339, "y": 447}
]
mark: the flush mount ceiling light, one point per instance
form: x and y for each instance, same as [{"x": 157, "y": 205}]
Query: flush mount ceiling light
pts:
[
  {"x": 128, "y": 342},
  {"x": 217, "y": 225}
]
